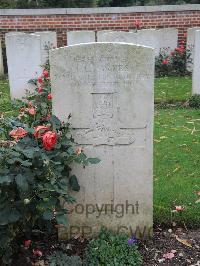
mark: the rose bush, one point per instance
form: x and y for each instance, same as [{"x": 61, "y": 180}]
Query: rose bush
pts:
[
  {"x": 36, "y": 153},
  {"x": 173, "y": 63}
]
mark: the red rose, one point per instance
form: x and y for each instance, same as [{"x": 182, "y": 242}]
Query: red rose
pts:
[
  {"x": 18, "y": 133},
  {"x": 40, "y": 80},
  {"x": 40, "y": 130},
  {"x": 165, "y": 62},
  {"x": 49, "y": 97},
  {"x": 40, "y": 90},
  {"x": 27, "y": 244},
  {"x": 32, "y": 111},
  {"x": 49, "y": 140},
  {"x": 45, "y": 73},
  {"x": 137, "y": 24}
]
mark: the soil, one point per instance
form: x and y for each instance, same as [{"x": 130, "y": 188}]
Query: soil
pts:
[{"x": 182, "y": 246}]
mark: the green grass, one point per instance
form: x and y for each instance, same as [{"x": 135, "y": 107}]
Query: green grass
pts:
[
  {"x": 172, "y": 89},
  {"x": 5, "y": 103},
  {"x": 176, "y": 165},
  {"x": 176, "y": 152}
]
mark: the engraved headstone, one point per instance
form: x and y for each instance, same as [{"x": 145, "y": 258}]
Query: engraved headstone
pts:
[
  {"x": 108, "y": 89},
  {"x": 196, "y": 64},
  {"x": 1, "y": 60},
  {"x": 190, "y": 45},
  {"x": 26, "y": 53},
  {"x": 77, "y": 37}
]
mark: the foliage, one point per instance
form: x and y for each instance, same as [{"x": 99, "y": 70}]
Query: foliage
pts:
[
  {"x": 194, "y": 101},
  {"x": 112, "y": 249},
  {"x": 35, "y": 172},
  {"x": 173, "y": 63},
  {"x": 87, "y": 3},
  {"x": 59, "y": 258}
]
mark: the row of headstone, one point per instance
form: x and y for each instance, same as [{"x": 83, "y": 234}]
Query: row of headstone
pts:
[
  {"x": 158, "y": 39},
  {"x": 108, "y": 89},
  {"x": 1, "y": 60},
  {"x": 26, "y": 53}
]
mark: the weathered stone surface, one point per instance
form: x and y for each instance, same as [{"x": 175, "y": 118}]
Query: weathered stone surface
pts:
[
  {"x": 190, "y": 45},
  {"x": 100, "y": 35},
  {"x": 146, "y": 37},
  {"x": 77, "y": 37},
  {"x": 1, "y": 60},
  {"x": 150, "y": 38},
  {"x": 26, "y": 53},
  {"x": 168, "y": 38},
  {"x": 118, "y": 36},
  {"x": 24, "y": 60},
  {"x": 196, "y": 64},
  {"x": 48, "y": 41},
  {"x": 108, "y": 89}
]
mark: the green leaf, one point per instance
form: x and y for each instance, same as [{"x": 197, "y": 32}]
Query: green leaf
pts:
[
  {"x": 74, "y": 183},
  {"x": 48, "y": 215},
  {"x": 6, "y": 179},
  {"x": 9, "y": 215},
  {"x": 21, "y": 182},
  {"x": 62, "y": 219},
  {"x": 93, "y": 160}
]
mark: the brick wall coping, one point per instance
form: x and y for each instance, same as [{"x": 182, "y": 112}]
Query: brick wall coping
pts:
[{"x": 104, "y": 10}]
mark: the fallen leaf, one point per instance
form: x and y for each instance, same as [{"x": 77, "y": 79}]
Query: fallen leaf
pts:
[
  {"x": 198, "y": 201},
  {"x": 184, "y": 242}
]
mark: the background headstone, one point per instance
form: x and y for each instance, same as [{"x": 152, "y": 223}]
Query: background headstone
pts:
[
  {"x": 196, "y": 64},
  {"x": 168, "y": 38},
  {"x": 26, "y": 54},
  {"x": 119, "y": 36},
  {"x": 101, "y": 33},
  {"x": 1, "y": 60},
  {"x": 108, "y": 89},
  {"x": 149, "y": 37},
  {"x": 48, "y": 41},
  {"x": 190, "y": 44},
  {"x": 77, "y": 37}
]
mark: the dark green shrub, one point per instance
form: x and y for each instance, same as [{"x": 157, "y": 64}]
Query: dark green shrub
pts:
[
  {"x": 194, "y": 101},
  {"x": 113, "y": 250}
]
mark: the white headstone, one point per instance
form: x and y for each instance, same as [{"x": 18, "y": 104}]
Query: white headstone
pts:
[
  {"x": 119, "y": 36},
  {"x": 150, "y": 38},
  {"x": 168, "y": 38},
  {"x": 196, "y": 64},
  {"x": 147, "y": 37},
  {"x": 190, "y": 45},
  {"x": 1, "y": 60},
  {"x": 48, "y": 41},
  {"x": 26, "y": 54},
  {"x": 108, "y": 89},
  {"x": 24, "y": 60},
  {"x": 100, "y": 35},
  {"x": 77, "y": 37}
]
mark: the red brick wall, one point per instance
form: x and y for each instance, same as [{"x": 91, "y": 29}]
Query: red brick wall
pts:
[{"x": 99, "y": 21}]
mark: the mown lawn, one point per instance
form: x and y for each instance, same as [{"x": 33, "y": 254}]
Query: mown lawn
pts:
[
  {"x": 172, "y": 89},
  {"x": 176, "y": 152}
]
